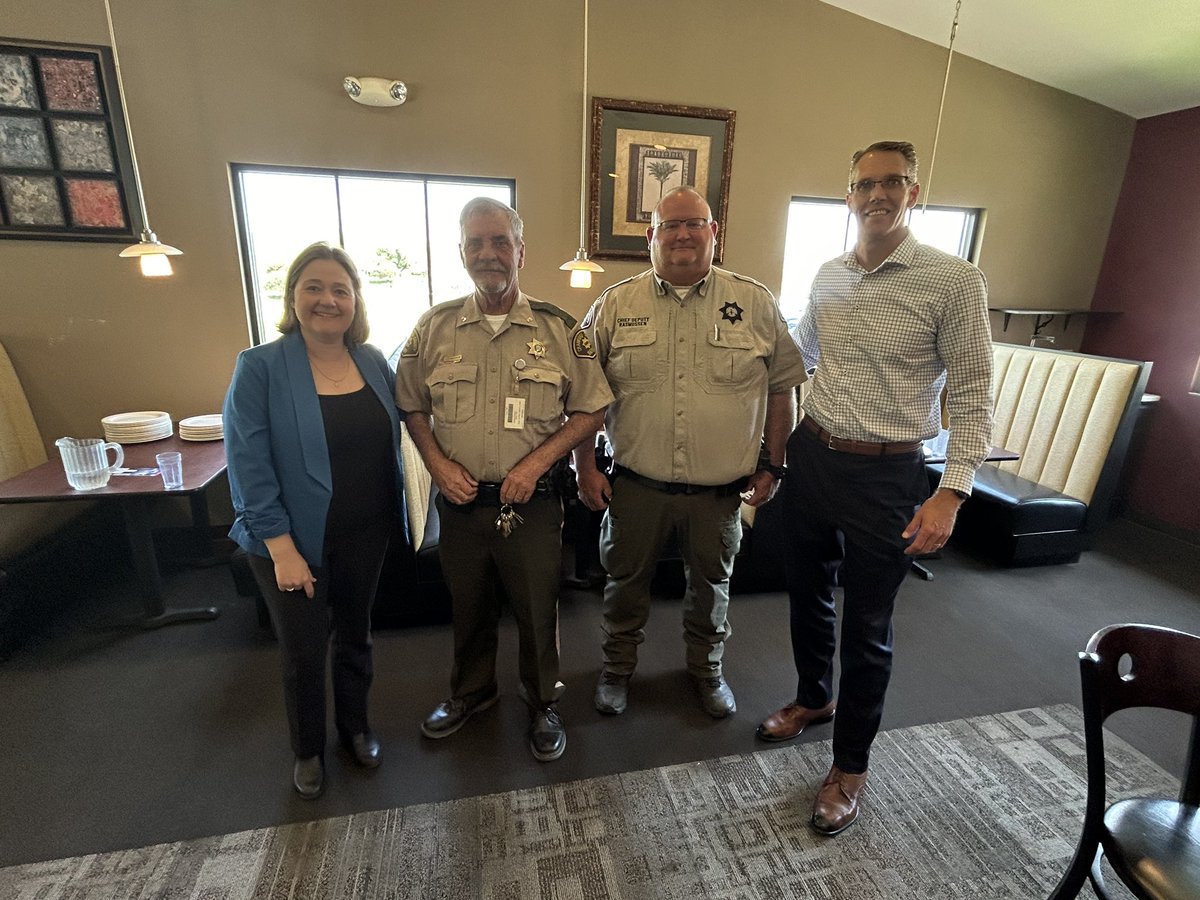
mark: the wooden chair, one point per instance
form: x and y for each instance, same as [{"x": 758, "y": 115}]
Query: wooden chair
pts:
[{"x": 1153, "y": 844}]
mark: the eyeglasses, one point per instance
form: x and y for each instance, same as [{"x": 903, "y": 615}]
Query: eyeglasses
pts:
[
  {"x": 689, "y": 224},
  {"x": 891, "y": 184}
]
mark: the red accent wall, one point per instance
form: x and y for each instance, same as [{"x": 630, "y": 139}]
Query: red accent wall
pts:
[{"x": 1151, "y": 275}]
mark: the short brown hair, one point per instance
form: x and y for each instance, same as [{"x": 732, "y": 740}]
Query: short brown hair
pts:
[
  {"x": 904, "y": 148},
  {"x": 359, "y": 328}
]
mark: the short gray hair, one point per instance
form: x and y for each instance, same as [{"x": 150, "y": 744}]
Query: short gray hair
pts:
[{"x": 485, "y": 205}]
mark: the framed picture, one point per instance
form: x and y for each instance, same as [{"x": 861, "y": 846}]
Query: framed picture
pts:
[
  {"x": 65, "y": 167},
  {"x": 642, "y": 150}
]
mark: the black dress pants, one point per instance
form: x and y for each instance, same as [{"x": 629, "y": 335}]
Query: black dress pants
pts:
[
  {"x": 845, "y": 514},
  {"x": 341, "y": 604}
]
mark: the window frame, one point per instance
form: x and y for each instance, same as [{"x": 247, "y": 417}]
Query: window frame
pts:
[
  {"x": 245, "y": 251},
  {"x": 971, "y": 243}
]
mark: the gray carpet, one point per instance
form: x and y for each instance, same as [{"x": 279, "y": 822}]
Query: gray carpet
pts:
[{"x": 987, "y": 807}]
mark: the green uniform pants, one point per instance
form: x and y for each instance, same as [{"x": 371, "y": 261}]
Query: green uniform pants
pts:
[{"x": 636, "y": 528}]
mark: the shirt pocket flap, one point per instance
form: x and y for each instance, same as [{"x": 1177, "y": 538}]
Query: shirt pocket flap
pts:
[
  {"x": 634, "y": 337},
  {"x": 452, "y": 374},
  {"x": 732, "y": 340},
  {"x": 541, "y": 376}
]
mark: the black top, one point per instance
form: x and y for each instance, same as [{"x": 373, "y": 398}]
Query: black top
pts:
[{"x": 359, "y": 435}]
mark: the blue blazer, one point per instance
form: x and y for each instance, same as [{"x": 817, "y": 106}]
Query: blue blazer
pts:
[{"x": 279, "y": 474}]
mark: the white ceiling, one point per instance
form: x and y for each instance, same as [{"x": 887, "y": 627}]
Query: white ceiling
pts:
[{"x": 1139, "y": 57}]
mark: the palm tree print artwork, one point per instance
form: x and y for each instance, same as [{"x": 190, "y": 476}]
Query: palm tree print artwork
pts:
[{"x": 662, "y": 170}]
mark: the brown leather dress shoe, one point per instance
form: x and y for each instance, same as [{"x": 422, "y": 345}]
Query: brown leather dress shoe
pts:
[
  {"x": 789, "y": 722},
  {"x": 836, "y": 806}
]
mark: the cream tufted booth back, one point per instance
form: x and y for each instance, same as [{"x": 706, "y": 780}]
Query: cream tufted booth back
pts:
[
  {"x": 21, "y": 445},
  {"x": 1060, "y": 411},
  {"x": 418, "y": 484}
]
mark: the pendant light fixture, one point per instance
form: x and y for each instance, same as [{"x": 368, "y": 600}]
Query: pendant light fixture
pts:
[
  {"x": 152, "y": 254},
  {"x": 581, "y": 268}
]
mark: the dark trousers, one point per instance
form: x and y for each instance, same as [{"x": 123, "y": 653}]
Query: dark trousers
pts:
[
  {"x": 845, "y": 514},
  {"x": 341, "y": 604},
  {"x": 474, "y": 556}
]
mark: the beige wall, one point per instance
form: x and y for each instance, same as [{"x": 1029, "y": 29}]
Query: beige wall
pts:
[{"x": 212, "y": 82}]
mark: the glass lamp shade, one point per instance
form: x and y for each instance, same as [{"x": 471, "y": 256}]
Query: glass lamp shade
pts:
[
  {"x": 581, "y": 269},
  {"x": 152, "y": 255}
]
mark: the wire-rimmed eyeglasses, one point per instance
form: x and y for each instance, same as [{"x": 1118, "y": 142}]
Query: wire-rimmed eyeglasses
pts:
[{"x": 891, "y": 184}]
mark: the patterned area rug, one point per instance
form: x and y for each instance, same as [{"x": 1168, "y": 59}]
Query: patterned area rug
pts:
[{"x": 987, "y": 807}]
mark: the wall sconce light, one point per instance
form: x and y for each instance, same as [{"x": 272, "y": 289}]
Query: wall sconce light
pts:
[
  {"x": 371, "y": 91},
  {"x": 151, "y": 254}
]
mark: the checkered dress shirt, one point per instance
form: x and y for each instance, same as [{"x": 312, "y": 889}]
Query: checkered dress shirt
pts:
[{"x": 884, "y": 344}]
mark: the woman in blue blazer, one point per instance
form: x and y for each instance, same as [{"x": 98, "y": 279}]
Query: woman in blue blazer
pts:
[{"x": 312, "y": 437}]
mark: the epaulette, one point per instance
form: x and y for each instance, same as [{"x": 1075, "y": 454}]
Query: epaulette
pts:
[
  {"x": 543, "y": 306},
  {"x": 746, "y": 278}
]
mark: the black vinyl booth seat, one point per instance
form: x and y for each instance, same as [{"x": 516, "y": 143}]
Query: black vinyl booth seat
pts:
[{"x": 1024, "y": 522}]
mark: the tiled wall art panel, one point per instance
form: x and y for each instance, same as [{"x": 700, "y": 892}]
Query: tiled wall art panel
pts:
[{"x": 65, "y": 166}]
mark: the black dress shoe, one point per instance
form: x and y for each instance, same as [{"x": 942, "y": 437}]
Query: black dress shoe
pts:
[
  {"x": 547, "y": 734},
  {"x": 450, "y": 715},
  {"x": 308, "y": 777},
  {"x": 364, "y": 747}
]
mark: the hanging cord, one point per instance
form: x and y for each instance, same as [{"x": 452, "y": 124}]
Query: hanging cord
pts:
[
  {"x": 583, "y": 143},
  {"x": 941, "y": 107}
]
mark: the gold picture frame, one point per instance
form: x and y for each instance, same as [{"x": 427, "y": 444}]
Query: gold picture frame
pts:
[{"x": 639, "y": 151}]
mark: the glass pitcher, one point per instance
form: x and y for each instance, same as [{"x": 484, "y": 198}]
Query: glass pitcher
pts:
[{"x": 86, "y": 461}]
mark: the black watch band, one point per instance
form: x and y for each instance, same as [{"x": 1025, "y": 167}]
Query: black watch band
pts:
[
  {"x": 780, "y": 472},
  {"x": 961, "y": 495}
]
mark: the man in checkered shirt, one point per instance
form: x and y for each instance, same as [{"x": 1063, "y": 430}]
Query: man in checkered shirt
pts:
[{"x": 888, "y": 325}]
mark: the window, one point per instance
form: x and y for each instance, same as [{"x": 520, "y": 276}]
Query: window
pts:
[
  {"x": 401, "y": 231},
  {"x": 819, "y": 229}
]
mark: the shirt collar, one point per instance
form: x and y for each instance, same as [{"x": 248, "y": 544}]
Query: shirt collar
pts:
[
  {"x": 666, "y": 289},
  {"x": 903, "y": 255},
  {"x": 520, "y": 314}
]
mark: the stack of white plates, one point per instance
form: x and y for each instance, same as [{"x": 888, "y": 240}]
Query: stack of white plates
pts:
[
  {"x": 137, "y": 427},
  {"x": 202, "y": 428}
]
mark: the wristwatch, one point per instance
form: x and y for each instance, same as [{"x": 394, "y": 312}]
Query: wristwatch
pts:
[
  {"x": 780, "y": 472},
  {"x": 961, "y": 495}
]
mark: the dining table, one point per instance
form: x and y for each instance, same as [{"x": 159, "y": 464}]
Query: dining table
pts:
[{"x": 203, "y": 463}]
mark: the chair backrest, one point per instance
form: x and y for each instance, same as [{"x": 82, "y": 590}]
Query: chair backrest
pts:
[
  {"x": 1127, "y": 666},
  {"x": 21, "y": 446},
  {"x": 1064, "y": 412}
]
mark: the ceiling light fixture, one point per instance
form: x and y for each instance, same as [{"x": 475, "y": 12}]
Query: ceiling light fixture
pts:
[
  {"x": 151, "y": 253},
  {"x": 581, "y": 268}
]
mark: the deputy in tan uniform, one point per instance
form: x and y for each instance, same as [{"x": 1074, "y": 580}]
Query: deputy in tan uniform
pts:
[
  {"x": 703, "y": 370},
  {"x": 495, "y": 397}
]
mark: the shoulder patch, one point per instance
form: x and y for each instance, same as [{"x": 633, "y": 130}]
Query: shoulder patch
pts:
[
  {"x": 413, "y": 346},
  {"x": 543, "y": 306},
  {"x": 581, "y": 346}
]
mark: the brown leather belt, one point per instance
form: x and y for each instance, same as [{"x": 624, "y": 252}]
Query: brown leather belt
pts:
[{"x": 862, "y": 448}]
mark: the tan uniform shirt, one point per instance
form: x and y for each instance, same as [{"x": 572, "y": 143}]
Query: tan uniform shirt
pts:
[
  {"x": 691, "y": 377},
  {"x": 467, "y": 377}
]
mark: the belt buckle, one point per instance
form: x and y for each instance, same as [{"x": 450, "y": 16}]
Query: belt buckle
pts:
[{"x": 829, "y": 443}]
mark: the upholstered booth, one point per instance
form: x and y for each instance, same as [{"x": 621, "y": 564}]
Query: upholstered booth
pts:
[
  {"x": 1070, "y": 416},
  {"x": 27, "y": 530}
]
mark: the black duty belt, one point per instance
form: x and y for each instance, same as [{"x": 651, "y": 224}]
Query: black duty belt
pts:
[
  {"x": 488, "y": 492},
  {"x": 678, "y": 487}
]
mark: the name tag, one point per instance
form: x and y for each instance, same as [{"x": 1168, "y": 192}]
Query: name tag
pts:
[{"x": 514, "y": 412}]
